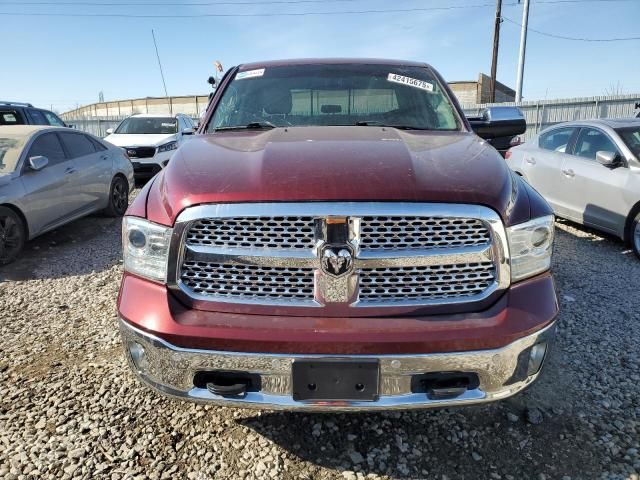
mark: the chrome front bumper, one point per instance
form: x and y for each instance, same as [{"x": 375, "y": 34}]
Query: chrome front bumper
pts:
[{"x": 169, "y": 369}]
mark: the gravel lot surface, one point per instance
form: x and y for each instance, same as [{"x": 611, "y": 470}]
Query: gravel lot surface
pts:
[{"x": 70, "y": 408}]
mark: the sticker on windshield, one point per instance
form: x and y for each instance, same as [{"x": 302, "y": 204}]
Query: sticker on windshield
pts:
[
  {"x": 250, "y": 74},
  {"x": 412, "y": 82}
]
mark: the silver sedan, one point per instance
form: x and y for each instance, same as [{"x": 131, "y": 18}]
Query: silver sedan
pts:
[
  {"x": 589, "y": 172},
  {"x": 50, "y": 176}
]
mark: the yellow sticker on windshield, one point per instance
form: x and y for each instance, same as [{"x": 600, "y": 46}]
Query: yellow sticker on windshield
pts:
[{"x": 412, "y": 82}]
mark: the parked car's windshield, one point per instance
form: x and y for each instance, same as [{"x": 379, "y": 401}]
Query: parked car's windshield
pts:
[
  {"x": 10, "y": 148},
  {"x": 631, "y": 136},
  {"x": 341, "y": 94},
  {"x": 148, "y": 125}
]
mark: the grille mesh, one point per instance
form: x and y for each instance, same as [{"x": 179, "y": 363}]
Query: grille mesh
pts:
[
  {"x": 401, "y": 233},
  {"x": 425, "y": 282},
  {"x": 279, "y": 233},
  {"x": 248, "y": 281}
]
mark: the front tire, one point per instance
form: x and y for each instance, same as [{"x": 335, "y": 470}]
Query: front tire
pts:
[
  {"x": 634, "y": 235},
  {"x": 13, "y": 235},
  {"x": 118, "y": 197}
]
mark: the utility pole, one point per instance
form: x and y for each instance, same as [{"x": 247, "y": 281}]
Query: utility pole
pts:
[
  {"x": 494, "y": 59},
  {"x": 523, "y": 48}
]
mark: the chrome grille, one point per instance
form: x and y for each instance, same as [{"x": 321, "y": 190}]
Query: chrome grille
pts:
[
  {"x": 247, "y": 282},
  {"x": 402, "y": 233},
  {"x": 425, "y": 282},
  {"x": 280, "y": 233},
  {"x": 399, "y": 255}
]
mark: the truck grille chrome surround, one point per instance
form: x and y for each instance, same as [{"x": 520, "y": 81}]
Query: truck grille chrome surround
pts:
[{"x": 346, "y": 258}]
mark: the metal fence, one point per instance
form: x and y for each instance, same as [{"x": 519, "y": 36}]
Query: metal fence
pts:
[{"x": 539, "y": 114}]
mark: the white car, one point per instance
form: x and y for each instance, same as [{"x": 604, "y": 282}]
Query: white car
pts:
[
  {"x": 150, "y": 140},
  {"x": 589, "y": 172}
]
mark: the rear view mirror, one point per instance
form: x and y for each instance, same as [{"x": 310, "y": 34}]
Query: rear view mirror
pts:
[
  {"x": 495, "y": 122},
  {"x": 188, "y": 131},
  {"x": 211, "y": 81},
  {"x": 38, "y": 162},
  {"x": 109, "y": 131},
  {"x": 608, "y": 159}
]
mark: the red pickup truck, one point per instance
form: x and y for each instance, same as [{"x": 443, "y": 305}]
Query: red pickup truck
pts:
[{"x": 338, "y": 236}]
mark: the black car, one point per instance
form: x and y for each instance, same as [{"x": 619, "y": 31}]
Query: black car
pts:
[{"x": 17, "y": 113}]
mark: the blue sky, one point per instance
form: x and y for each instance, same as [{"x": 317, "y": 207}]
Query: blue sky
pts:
[{"x": 63, "y": 61}]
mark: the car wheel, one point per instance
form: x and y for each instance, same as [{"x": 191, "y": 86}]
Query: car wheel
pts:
[
  {"x": 12, "y": 235},
  {"x": 118, "y": 197},
  {"x": 634, "y": 235}
]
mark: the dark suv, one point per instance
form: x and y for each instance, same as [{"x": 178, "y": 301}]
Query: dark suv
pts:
[{"x": 17, "y": 113}]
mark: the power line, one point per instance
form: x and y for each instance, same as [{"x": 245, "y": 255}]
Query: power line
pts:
[
  {"x": 577, "y": 39},
  {"x": 274, "y": 14},
  {"x": 174, "y": 4},
  {"x": 250, "y": 2}
]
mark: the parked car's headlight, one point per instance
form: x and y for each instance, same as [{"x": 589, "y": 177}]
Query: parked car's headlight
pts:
[
  {"x": 530, "y": 246},
  {"x": 167, "y": 147},
  {"x": 145, "y": 248}
]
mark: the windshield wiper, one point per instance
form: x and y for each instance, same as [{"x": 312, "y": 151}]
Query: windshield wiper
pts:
[
  {"x": 249, "y": 126},
  {"x": 369, "y": 123}
]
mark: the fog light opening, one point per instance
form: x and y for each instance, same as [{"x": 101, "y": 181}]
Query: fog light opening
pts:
[
  {"x": 536, "y": 357},
  {"x": 138, "y": 356}
]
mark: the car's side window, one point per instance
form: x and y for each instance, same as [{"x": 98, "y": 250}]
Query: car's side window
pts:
[
  {"x": 53, "y": 119},
  {"x": 556, "y": 140},
  {"x": 10, "y": 117},
  {"x": 48, "y": 145},
  {"x": 78, "y": 145},
  {"x": 36, "y": 117},
  {"x": 590, "y": 141},
  {"x": 99, "y": 147}
]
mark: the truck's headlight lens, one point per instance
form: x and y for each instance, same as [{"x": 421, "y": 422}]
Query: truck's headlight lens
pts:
[
  {"x": 145, "y": 248},
  {"x": 530, "y": 246},
  {"x": 167, "y": 147}
]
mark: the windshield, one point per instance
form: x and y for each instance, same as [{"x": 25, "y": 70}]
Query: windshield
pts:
[
  {"x": 10, "y": 148},
  {"x": 631, "y": 136},
  {"x": 305, "y": 95},
  {"x": 148, "y": 125}
]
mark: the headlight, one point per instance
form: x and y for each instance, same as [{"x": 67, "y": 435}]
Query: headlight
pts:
[
  {"x": 530, "y": 246},
  {"x": 167, "y": 147},
  {"x": 145, "y": 248}
]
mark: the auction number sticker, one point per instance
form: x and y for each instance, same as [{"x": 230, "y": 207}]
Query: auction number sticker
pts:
[
  {"x": 412, "y": 82},
  {"x": 250, "y": 74}
]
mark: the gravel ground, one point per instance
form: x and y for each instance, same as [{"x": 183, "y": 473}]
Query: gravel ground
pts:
[{"x": 70, "y": 408}]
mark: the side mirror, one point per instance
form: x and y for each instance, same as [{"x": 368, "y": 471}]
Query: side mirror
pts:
[
  {"x": 109, "y": 131},
  {"x": 496, "y": 122},
  {"x": 188, "y": 131},
  {"x": 211, "y": 81},
  {"x": 38, "y": 162},
  {"x": 608, "y": 159}
]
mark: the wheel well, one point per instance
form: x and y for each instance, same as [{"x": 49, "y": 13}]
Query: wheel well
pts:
[
  {"x": 20, "y": 215},
  {"x": 627, "y": 225}
]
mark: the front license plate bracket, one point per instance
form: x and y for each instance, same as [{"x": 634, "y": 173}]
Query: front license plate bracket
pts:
[{"x": 338, "y": 380}]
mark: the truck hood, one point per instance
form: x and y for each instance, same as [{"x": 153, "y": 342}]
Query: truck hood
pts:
[
  {"x": 139, "y": 140},
  {"x": 333, "y": 164}
]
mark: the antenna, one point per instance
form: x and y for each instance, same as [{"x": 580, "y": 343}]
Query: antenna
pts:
[{"x": 161, "y": 72}]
